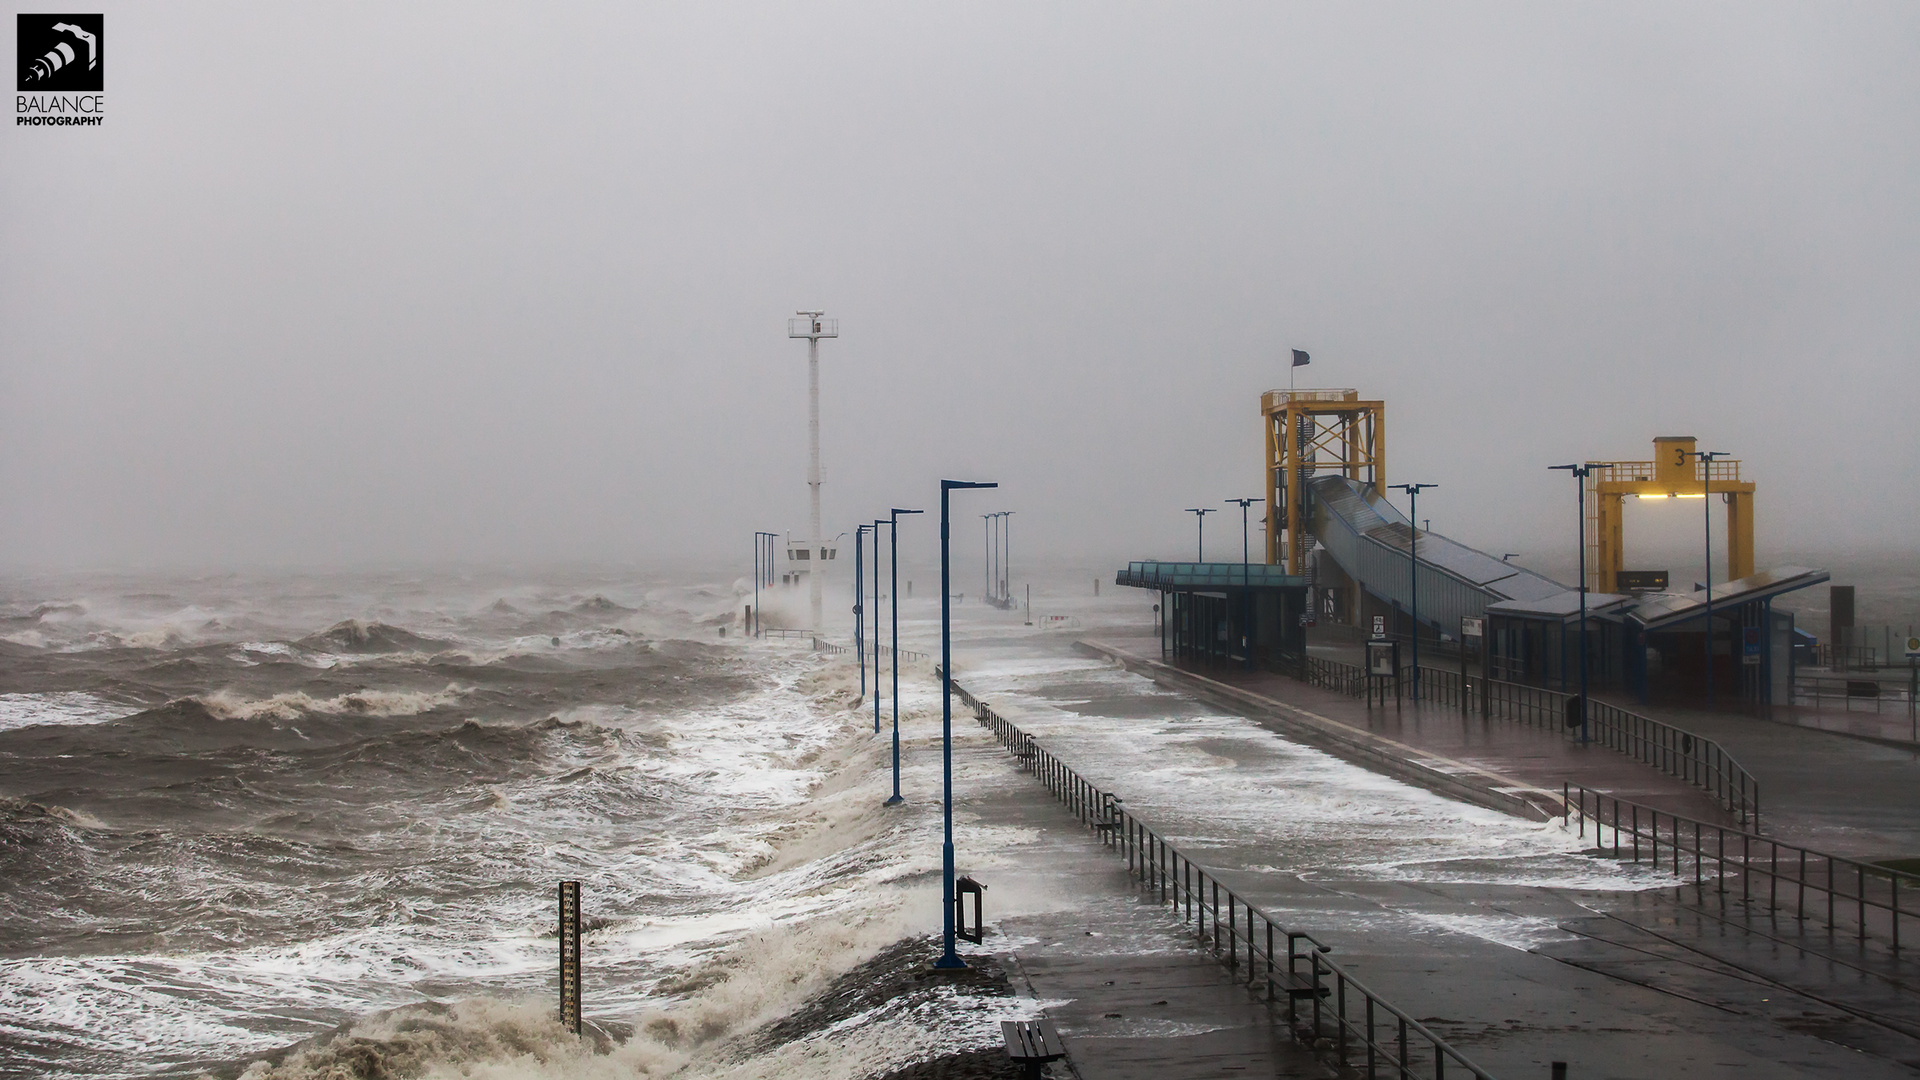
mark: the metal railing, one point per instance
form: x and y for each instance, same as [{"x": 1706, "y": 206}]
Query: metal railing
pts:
[
  {"x": 888, "y": 650},
  {"x": 1675, "y": 751},
  {"x": 1875, "y": 902},
  {"x": 1323, "y": 1000}
]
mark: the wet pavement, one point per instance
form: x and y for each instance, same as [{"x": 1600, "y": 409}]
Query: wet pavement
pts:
[{"x": 1505, "y": 938}]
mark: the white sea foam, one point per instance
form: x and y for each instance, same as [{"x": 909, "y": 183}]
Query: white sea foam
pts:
[
  {"x": 777, "y": 870},
  {"x": 292, "y": 706},
  {"x": 58, "y": 707}
]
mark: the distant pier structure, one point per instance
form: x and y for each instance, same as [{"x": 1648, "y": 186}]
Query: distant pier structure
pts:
[
  {"x": 812, "y": 325},
  {"x": 1338, "y": 552}
]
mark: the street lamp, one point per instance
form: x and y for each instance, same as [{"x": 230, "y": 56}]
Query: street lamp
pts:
[
  {"x": 986, "y": 539},
  {"x": 894, "y": 536},
  {"x": 1413, "y": 570},
  {"x": 859, "y": 623},
  {"x": 877, "y": 522},
  {"x": 949, "y": 958},
  {"x": 1246, "y": 573},
  {"x": 1006, "y": 531},
  {"x": 1706, "y": 505},
  {"x": 1580, "y": 473},
  {"x": 762, "y": 567},
  {"x": 1200, "y": 518}
]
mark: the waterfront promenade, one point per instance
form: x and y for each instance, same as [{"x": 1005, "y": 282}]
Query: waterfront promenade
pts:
[{"x": 1580, "y": 981}]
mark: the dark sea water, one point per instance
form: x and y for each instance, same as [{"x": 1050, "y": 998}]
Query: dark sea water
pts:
[{"x": 236, "y": 813}]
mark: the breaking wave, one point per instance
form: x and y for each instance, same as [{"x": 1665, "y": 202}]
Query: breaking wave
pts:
[{"x": 223, "y": 705}]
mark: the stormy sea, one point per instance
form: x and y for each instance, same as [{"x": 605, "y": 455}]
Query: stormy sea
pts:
[{"x": 313, "y": 827}]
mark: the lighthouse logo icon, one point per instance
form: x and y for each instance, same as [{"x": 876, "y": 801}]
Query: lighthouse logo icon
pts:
[{"x": 61, "y": 53}]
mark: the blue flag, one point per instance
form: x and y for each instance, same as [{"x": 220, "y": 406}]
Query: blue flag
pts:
[{"x": 1300, "y": 359}]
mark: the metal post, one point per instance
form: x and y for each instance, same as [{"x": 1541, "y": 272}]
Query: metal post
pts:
[
  {"x": 1200, "y": 519},
  {"x": 570, "y": 956},
  {"x": 1006, "y": 546},
  {"x": 985, "y": 540},
  {"x": 859, "y": 619},
  {"x": 893, "y": 535},
  {"x": 877, "y": 522},
  {"x": 1580, "y": 473},
  {"x": 1413, "y": 571},
  {"x": 1246, "y": 578},
  {"x": 1706, "y": 491},
  {"x": 949, "y": 958}
]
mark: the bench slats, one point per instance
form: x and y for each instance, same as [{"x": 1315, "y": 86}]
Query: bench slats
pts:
[{"x": 1033, "y": 1041}]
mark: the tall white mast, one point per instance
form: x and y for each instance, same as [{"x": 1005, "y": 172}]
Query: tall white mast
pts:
[{"x": 813, "y": 327}]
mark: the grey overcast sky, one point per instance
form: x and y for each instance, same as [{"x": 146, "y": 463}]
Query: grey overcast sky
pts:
[{"x": 359, "y": 283}]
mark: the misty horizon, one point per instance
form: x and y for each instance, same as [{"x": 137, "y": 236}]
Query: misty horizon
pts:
[{"x": 420, "y": 308}]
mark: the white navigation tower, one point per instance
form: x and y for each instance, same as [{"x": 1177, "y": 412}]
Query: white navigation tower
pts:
[{"x": 812, "y": 326}]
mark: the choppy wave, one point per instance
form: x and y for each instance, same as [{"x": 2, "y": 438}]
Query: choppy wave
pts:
[
  {"x": 224, "y": 705},
  {"x": 354, "y": 636},
  {"x": 342, "y": 845},
  {"x": 56, "y": 707}
]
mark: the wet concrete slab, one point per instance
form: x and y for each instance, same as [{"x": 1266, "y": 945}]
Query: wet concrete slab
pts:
[
  {"x": 1130, "y": 994},
  {"x": 1822, "y": 789},
  {"x": 1610, "y": 1006},
  {"x": 1491, "y": 754}
]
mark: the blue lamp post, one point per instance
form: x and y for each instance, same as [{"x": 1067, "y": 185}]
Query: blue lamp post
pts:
[
  {"x": 949, "y": 958},
  {"x": 877, "y": 522},
  {"x": 1706, "y": 489},
  {"x": 1413, "y": 571},
  {"x": 986, "y": 538},
  {"x": 1246, "y": 575},
  {"x": 1006, "y": 584},
  {"x": 1580, "y": 474},
  {"x": 859, "y": 584},
  {"x": 894, "y": 563},
  {"x": 1200, "y": 519}
]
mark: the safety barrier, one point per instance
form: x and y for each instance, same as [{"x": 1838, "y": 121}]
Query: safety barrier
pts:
[
  {"x": 1875, "y": 889},
  {"x": 888, "y": 650},
  {"x": 1677, "y": 752},
  {"x": 1323, "y": 1002}
]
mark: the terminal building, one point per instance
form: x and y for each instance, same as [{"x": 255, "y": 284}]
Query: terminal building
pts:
[{"x": 1339, "y": 554}]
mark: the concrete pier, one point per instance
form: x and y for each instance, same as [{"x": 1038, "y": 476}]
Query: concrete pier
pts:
[{"x": 1622, "y": 984}]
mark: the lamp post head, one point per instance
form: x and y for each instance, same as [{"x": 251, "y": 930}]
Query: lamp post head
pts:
[
  {"x": 897, "y": 510},
  {"x": 951, "y": 485}
]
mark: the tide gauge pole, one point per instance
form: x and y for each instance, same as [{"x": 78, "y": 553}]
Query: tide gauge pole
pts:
[{"x": 949, "y": 958}]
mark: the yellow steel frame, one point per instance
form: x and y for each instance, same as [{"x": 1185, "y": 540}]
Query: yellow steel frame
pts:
[
  {"x": 1674, "y": 473},
  {"x": 1309, "y": 431}
]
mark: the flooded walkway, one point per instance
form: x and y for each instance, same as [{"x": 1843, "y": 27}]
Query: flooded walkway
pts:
[{"x": 1480, "y": 923}]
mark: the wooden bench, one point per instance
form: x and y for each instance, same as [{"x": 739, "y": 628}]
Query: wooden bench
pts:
[{"x": 1032, "y": 1044}]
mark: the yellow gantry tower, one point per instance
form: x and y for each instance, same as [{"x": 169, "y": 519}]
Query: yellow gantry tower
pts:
[
  {"x": 1675, "y": 472},
  {"x": 1310, "y": 431}
]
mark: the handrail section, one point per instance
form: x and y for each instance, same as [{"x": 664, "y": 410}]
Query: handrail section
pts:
[
  {"x": 1324, "y": 1000},
  {"x": 1875, "y": 902},
  {"x": 1675, "y": 751}
]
